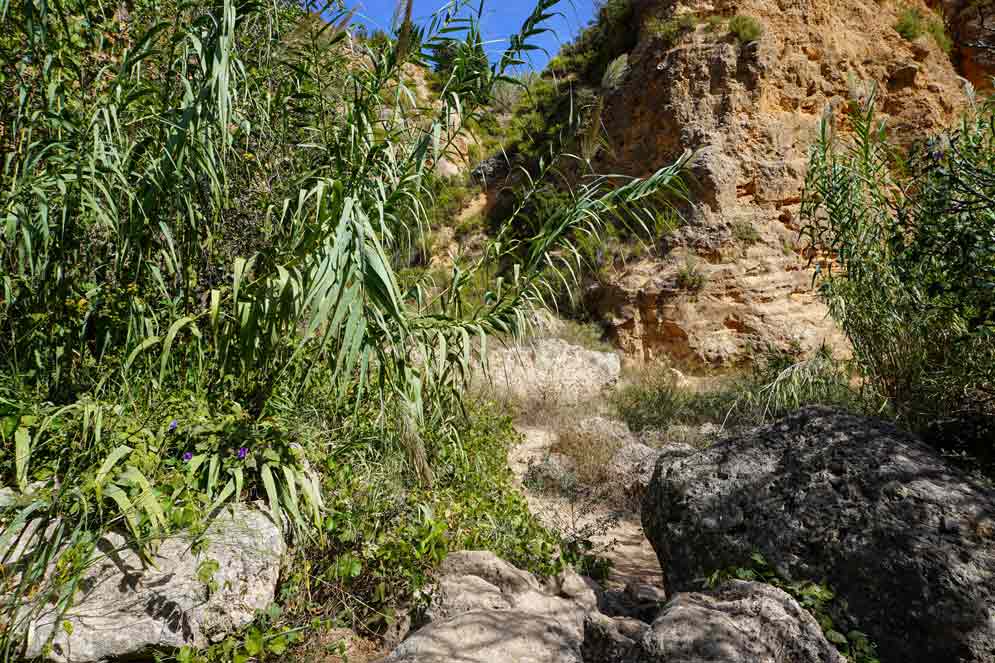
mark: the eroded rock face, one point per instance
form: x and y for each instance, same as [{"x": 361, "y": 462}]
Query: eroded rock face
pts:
[
  {"x": 903, "y": 537},
  {"x": 972, "y": 27},
  {"x": 126, "y": 608},
  {"x": 750, "y": 112},
  {"x": 552, "y": 371},
  {"x": 740, "y": 622}
]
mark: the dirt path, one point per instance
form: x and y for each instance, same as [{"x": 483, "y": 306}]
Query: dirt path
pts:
[{"x": 632, "y": 557}]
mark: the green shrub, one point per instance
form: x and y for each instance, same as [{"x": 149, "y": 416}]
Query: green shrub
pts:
[
  {"x": 715, "y": 23},
  {"x": 690, "y": 277},
  {"x": 915, "y": 288},
  {"x": 608, "y": 36},
  {"x": 668, "y": 31},
  {"x": 745, "y": 233},
  {"x": 910, "y": 23},
  {"x": 745, "y": 28},
  {"x": 913, "y": 23}
]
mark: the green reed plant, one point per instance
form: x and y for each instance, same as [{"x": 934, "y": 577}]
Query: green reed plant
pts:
[
  {"x": 912, "y": 282},
  {"x": 199, "y": 213}
]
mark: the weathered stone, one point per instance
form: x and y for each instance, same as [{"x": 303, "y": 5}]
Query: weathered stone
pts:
[
  {"x": 895, "y": 530},
  {"x": 571, "y": 585},
  {"x": 631, "y": 469},
  {"x": 741, "y": 622},
  {"x": 488, "y": 566},
  {"x": 484, "y": 609},
  {"x": 972, "y": 27},
  {"x": 486, "y": 636},
  {"x": 125, "y": 607},
  {"x": 456, "y": 594},
  {"x": 608, "y": 640}
]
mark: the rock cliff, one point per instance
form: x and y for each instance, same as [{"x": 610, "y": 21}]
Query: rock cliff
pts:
[{"x": 734, "y": 276}]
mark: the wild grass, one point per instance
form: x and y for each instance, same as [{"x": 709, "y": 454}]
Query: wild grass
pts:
[
  {"x": 690, "y": 277},
  {"x": 667, "y": 31},
  {"x": 745, "y": 233},
  {"x": 912, "y": 23},
  {"x": 775, "y": 385}
]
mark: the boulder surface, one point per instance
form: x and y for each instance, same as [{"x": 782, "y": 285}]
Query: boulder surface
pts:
[
  {"x": 903, "y": 537},
  {"x": 484, "y": 610},
  {"x": 740, "y": 622},
  {"x": 127, "y": 608}
]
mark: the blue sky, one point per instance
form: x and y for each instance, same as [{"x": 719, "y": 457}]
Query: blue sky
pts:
[{"x": 501, "y": 18}]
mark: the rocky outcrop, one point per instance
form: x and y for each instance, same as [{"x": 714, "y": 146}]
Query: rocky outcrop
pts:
[
  {"x": 191, "y": 596},
  {"x": 551, "y": 371},
  {"x": 741, "y": 622},
  {"x": 735, "y": 276},
  {"x": 972, "y": 27},
  {"x": 905, "y": 540},
  {"x": 484, "y": 610}
]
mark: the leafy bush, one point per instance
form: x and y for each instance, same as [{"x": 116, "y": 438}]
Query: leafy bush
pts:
[
  {"x": 690, "y": 277},
  {"x": 745, "y": 233},
  {"x": 913, "y": 236},
  {"x": 745, "y": 28},
  {"x": 715, "y": 23},
  {"x": 381, "y": 535},
  {"x": 668, "y": 31},
  {"x": 913, "y": 23},
  {"x": 609, "y": 35}
]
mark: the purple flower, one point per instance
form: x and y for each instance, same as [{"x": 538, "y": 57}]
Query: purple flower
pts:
[
  {"x": 173, "y": 424},
  {"x": 242, "y": 453},
  {"x": 187, "y": 456}
]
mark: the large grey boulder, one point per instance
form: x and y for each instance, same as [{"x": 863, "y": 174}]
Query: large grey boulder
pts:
[
  {"x": 126, "y": 607},
  {"x": 904, "y": 538},
  {"x": 741, "y": 622}
]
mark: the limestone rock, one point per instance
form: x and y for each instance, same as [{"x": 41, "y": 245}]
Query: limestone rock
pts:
[
  {"x": 741, "y": 622},
  {"x": 552, "y": 371},
  {"x": 606, "y": 639},
  {"x": 486, "y": 610},
  {"x": 631, "y": 469},
  {"x": 484, "y": 636},
  {"x": 126, "y": 608},
  {"x": 896, "y": 531},
  {"x": 750, "y": 113},
  {"x": 488, "y": 566}
]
